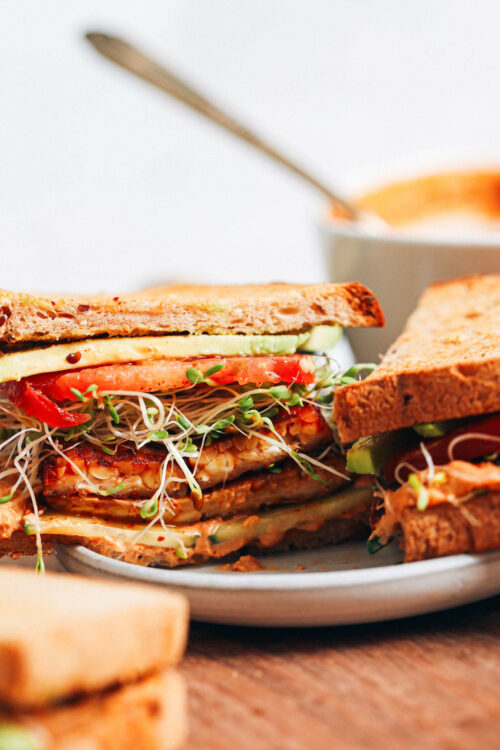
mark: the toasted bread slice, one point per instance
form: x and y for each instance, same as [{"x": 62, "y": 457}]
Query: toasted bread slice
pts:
[
  {"x": 452, "y": 530},
  {"x": 460, "y": 511},
  {"x": 66, "y": 635},
  {"x": 258, "y": 309},
  {"x": 149, "y": 714},
  {"x": 445, "y": 364}
]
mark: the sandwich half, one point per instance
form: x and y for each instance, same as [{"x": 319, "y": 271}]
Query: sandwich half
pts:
[
  {"x": 427, "y": 423},
  {"x": 176, "y": 425},
  {"x": 96, "y": 670}
]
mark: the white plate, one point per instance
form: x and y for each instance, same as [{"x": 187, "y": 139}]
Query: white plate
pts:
[{"x": 332, "y": 586}]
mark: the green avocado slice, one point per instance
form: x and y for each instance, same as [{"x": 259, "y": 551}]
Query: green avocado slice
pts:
[
  {"x": 93, "y": 352},
  {"x": 321, "y": 339},
  {"x": 433, "y": 429},
  {"x": 64, "y": 525},
  {"x": 13, "y": 737},
  {"x": 289, "y": 517},
  {"x": 369, "y": 454}
]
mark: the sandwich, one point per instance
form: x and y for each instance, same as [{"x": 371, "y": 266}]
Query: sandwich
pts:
[
  {"x": 179, "y": 424},
  {"x": 426, "y": 423},
  {"x": 97, "y": 670}
]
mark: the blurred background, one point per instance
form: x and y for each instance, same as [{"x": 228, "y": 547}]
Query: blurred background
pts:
[{"x": 108, "y": 184}]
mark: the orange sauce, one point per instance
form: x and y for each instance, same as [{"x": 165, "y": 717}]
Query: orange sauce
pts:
[{"x": 455, "y": 193}]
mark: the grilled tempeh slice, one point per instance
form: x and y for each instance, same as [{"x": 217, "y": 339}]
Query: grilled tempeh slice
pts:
[
  {"x": 244, "y": 495},
  {"x": 138, "y": 472}
]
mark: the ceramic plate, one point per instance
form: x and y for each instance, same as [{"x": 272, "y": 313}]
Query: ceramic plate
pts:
[{"x": 332, "y": 586}]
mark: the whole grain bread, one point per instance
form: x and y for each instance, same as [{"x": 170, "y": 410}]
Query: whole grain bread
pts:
[
  {"x": 447, "y": 529},
  {"x": 65, "y": 635},
  {"x": 258, "y": 309},
  {"x": 445, "y": 364},
  {"x": 150, "y": 713}
]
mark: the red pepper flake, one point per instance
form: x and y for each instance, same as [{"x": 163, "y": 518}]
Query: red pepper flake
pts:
[
  {"x": 115, "y": 299},
  {"x": 74, "y": 357},
  {"x": 83, "y": 308},
  {"x": 161, "y": 539}
]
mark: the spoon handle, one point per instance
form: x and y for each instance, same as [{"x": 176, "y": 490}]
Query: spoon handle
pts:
[{"x": 135, "y": 61}]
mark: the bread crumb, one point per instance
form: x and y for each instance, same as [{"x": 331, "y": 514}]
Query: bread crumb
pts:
[{"x": 246, "y": 564}]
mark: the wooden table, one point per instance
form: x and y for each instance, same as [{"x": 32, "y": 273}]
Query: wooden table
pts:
[
  {"x": 418, "y": 684},
  {"x": 426, "y": 683}
]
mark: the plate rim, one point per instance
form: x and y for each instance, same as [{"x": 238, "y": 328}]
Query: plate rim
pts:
[{"x": 280, "y": 581}]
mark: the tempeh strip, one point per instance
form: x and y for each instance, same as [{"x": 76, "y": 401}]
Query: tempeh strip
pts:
[
  {"x": 137, "y": 472},
  {"x": 246, "y": 494}
]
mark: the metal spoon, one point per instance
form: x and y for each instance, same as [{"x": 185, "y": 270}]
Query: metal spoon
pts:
[{"x": 135, "y": 61}]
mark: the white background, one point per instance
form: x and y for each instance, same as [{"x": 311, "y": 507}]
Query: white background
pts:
[{"x": 106, "y": 184}]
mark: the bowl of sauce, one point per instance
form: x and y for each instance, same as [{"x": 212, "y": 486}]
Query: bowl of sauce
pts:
[{"x": 437, "y": 226}]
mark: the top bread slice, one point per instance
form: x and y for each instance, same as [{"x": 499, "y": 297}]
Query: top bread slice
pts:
[
  {"x": 63, "y": 635},
  {"x": 445, "y": 364},
  {"x": 257, "y": 309}
]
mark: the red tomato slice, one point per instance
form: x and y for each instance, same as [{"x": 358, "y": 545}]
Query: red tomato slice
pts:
[
  {"x": 465, "y": 450},
  {"x": 37, "y": 405},
  {"x": 165, "y": 374}
]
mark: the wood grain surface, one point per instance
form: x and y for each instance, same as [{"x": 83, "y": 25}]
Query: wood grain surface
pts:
[
  {"x": 425, "y": 683},
  {"x": 430, "y": 682}
]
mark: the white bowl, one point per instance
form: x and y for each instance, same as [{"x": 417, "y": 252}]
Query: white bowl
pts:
[{"x": 397, "y": 267}]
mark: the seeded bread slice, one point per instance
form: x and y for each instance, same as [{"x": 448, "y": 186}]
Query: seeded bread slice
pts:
[
  {"x": 445, "y": 364},
  {"x": 258, "y": 309}
]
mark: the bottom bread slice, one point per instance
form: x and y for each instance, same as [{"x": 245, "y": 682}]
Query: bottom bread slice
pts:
[
  {"x": 148, "y": 714},
  {"x": 344, "y": 514},
  {"x": 447, "y": 529},
  {"x": 331, "y": 532}
]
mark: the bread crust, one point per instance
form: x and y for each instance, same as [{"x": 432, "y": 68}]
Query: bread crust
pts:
[
  {"x": 445, "y": 364},
  {"x": 258, "y": 309},
  {"x": 148, "y": 714}
]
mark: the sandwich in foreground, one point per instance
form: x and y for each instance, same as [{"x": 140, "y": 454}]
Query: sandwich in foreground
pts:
[
  {"x": 427, "y": 422},
  {"x": 177, "y": 425},
  {"x": 96, "y": 668}
]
